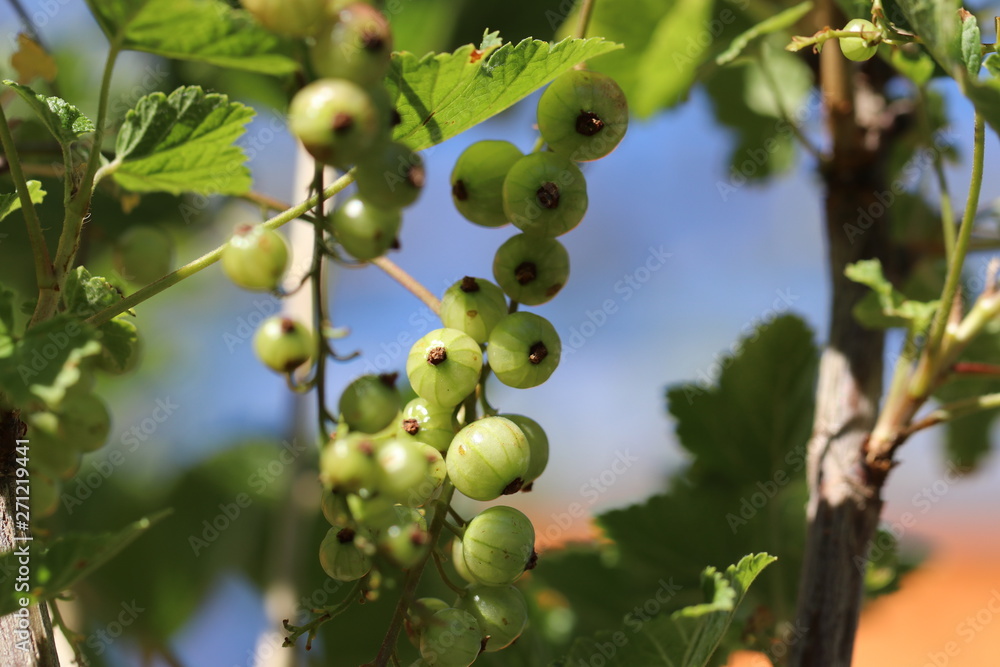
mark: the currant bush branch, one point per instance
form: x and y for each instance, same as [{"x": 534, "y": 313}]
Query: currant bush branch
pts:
[
  {"x": 955, "y": 410},
  {"x": 213, "y": 256},
  {"x": 388, "y": 645},
  {"x": 409, "y": 282},
  {"x": 44, "y": 275}
]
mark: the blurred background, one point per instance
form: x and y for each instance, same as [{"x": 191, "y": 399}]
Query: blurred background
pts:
[{"x": 688, "y": 257}]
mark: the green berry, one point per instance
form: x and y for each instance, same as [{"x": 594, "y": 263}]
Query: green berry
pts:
[
  {"x": 473, "y": 305},
  {"x": 583, "y": 115},
  {"x": 348, "y": 464},
  {"x": 488, "y": 458},
  {"x": 500, "y": 611},
  {"x": 524, "y": 350},
  {"x": 403, "y": 467},
  {"x": 538, "y": 445},
  {"x": 336, "y": 120},
  {"x": 858, "y": 48},
  {"x": 545, "y": 194},
  {"x": 370, "y": 403},
  {"x": 444, "y": 366},
  {"x": 477, "y": 181},
  {"x": 531, "y": 270},
  {"x": 341, "y": 558},
  {"x": 392, "y": 176},
  {"x": 363, "y": 229},
  {"x": 429, "y": 423},
  {"x": 144, "y": 254},
  {"x": 451, "y": 639},
  {"x": 374, "y": 513},
  {"x": 283, "y": 344},
  {"x": 437, "y": 471},
  {"x": 52, "y": 453},
  {"x": 417, "y": 616},
  {"x": 334, "y": 507},
  {"x": 499, "y": 545},
  {"x": 44, "y": 496},
  {"x": 256, "y": 258},
  {"x": 406, "y": 541},
  {"x": 84, "y": 421},
  {"x": 356, "y": 46},
  {"x": 458, "y": 562},
  {"x": 291, "y": 18}
]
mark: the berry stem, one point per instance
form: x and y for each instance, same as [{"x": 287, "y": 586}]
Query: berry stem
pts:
[
  {"x": 212, "y": 257},
  {"x": 444, "y": 575},
  {"x": 586, "y": 12},
  {"x": 388, "y": 646},
  {"x": 317, "y": 273},
  {"x": 409, "y": 282}
]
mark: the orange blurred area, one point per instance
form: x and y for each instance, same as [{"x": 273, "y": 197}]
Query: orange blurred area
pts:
[{"x": 946, "y": 613}]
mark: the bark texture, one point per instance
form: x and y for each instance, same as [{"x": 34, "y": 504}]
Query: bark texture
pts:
[
  {"x": 24, "y": 641},
  {"x": 845, "y": 498}
]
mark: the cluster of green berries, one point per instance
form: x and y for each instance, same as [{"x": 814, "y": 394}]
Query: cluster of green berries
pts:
[{"x": 389, "y": 471}]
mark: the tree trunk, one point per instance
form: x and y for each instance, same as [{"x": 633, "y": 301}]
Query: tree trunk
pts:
[
  {"x": 25, "y": 640},
  {"x": 845, "y": 499}
]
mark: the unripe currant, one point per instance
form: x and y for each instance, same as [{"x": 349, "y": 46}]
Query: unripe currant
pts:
[
  {"x": 334, "y": 507},
  {"x": 406, "y": 541},
  {"x": 477, "y": 181},
  {"x": 444, "y": 366},
  {"x": 283, "y": 344},
  {"x": 583, "y": 115},
  {"x": 499, "y": 545},
  {"x": 84, "y": 421},
  {"x": 545, "y": 194},
  {"x": 488, "y": 458},
  {"x": 418, "y": 614},
  {"x": 524, "y": 350},
  {"x": 403, "y": 466},
  {"x": 341, "y": 558},
  {"x": 290, "y": 18},
  {"x": 538, "y": 445},
  {"x": 255, "y": 258},
  {"x": 144, "y": 254},
  {"x": 451, "y": 638},
  {"x": 365, "y": 230},
  {"x": 356, "y": 46},
  {"x": 473, "y": 305},
  {"x": 437, "y": 470},
  {"x": 429, "y": 423},
  {"x": 392, "y": 175},
  {"x": 336, "y": 120},
  {"x": 531, "y": 270},
  {"x": 458, "y": 562},
  {"x": 348, "y": 465},
  {"x": 370, "y": 403},
  {"x": 857, "y": 48},
  {"x": 52, "y": 453},
  {"x": 44, "y": 496},
  {"x": 373, "y": 513},
  {"x": 500, "y": 611}
]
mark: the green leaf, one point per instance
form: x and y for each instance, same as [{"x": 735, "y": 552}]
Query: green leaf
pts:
[
  {"x": 743, "y": 492},
  {"x": 12, "y": 202},
  {"x": 780, "y": 21},
  {"x": 441, "y": 95},
  {"x": 887, "y": 307},
  {"x": 46, "y": 361},
  {"x": 85, "y": 295},
  {"x": 686, "y": 638},
  {"x": 183, "y": 143},
  {"x": 70, "y": 559},
  {"x": 208, "y": 31},
  {"x": 62, "y": 119},
  {"x": 971, "y": 46},
  {"x": 913, "y": 63}
]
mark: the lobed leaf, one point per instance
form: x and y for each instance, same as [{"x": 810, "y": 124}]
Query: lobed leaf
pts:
[
  {"x": 184, "y": 142},
  {"x": 441, "y": 95},
  {"x": 886, "y": 307},
  {"x": 11, "y": 202},
  {"x": 62, "y": 119}
]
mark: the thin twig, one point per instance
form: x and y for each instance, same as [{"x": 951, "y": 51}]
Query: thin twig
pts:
[{"x": 409, "y": 282}]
